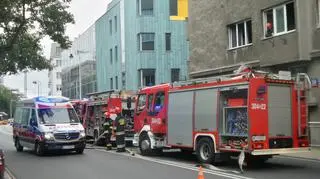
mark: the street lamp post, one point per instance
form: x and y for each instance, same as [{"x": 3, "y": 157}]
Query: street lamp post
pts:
[
  {"x": 37, "y": 83},
  {"x": 78, "y": 52}
]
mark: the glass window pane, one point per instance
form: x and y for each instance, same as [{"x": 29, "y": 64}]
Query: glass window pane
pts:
[
  {"x": 280, "y": 19},
  {"x": 291, "y": 17},
  {"x": 269, "y": 23},
  {"x": 173, "y": 7},
  {"x": 233, "y": 35},
  {"x": 241, "y": 35},
  {"x": 249, "y": 31},
  {"x": 146, "y": 7}
]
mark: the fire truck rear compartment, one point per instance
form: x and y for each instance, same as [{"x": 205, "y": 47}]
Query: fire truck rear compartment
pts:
[
  {"x": 233, "y": 117},
  {"x": 280, "y": 116}
]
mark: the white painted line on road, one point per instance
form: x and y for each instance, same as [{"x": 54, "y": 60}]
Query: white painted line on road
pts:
[
  {"x": 10, "y": 175},
  {"x": 175, "y": 164}
]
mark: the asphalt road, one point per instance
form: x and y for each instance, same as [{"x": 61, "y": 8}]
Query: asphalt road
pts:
[{"x": 98, "y": 163}]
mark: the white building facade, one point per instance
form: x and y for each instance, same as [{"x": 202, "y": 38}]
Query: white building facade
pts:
[
  {"x": 82, "y": 52},
  {"x": 55, "y": 82}
]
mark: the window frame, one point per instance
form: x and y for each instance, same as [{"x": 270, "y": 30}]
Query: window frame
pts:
[
  {"x": 115, "y": 24},
  {"x": 110, "y": 26},
  {"x": 141, "y": 42},
  {"x": 168, "y": 44},
  {"x": 246, "y": 39},
  {"x": 116, "y": 53},
  {"x": 159, "y": 93},
  {"x": 150, "y": 103},
  {"x": 139, "y": 9},
  {"x": 111, "y": 56},
  {"x": 275, "y": 33},
  {"x": 138, "y": 109}
]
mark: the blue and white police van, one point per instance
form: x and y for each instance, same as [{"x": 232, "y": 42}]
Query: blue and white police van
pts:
[{"x": 47, "y": 123}]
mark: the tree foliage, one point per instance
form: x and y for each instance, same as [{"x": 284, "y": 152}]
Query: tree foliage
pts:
[
  {"x": 23, "y": 23},
  {"x": 6, "y": 96}
]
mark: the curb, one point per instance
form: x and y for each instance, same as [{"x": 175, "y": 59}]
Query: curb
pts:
[{"x": 9, "y": 174}]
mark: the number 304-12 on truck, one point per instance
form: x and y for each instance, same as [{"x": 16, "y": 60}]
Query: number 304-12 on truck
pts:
[{"x": 259, "y": 113}]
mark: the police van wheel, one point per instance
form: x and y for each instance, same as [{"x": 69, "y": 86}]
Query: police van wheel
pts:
[
  {"x": 18, "y": 146},
  {"x": 205, "y": 151},
  {"x": 38, "y": 148},
  {"x": 145, "y": 144}
]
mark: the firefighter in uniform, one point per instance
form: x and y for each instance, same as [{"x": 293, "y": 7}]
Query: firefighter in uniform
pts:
[
  {"x": 120, "y": 124},
  {"x": 107, "y": 126}
]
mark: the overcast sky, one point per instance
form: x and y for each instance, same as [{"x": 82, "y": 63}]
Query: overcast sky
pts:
[{"x": 86, "y": 12}]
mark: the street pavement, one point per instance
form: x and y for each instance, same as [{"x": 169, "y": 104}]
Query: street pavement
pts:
[{"x": 98, "y": 163}]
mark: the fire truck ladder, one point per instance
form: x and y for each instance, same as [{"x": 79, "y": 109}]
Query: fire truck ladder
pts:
[{"x": 303, "y": 85}]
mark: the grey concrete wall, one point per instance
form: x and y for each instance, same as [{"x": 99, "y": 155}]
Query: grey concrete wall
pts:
[{"x": 208, "y": 20}]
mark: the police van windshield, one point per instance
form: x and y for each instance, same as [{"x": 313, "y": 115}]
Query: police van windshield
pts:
[{"x": 57, "y": 116}]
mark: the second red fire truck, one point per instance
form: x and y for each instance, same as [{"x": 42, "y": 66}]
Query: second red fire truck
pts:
[{"x": 260, "y": 113}]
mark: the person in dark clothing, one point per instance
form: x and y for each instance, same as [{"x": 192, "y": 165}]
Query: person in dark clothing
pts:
[
  {"x": 120, "y": 124},
  {"x": 107, "y": 126}
]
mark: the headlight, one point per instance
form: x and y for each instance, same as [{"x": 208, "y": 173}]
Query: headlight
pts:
[
  {"x": 48, "y": 136},
  {"x": 82, "y": 134}
]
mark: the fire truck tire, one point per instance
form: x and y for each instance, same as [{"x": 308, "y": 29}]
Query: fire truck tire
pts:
[
  {"x": 145, "y": 144},
  {"x": 205, "y": 151}
]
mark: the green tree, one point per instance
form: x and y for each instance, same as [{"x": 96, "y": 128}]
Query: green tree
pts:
[
  {"x": 23, "y": 23},
  {"x": 6, "y": 95}
]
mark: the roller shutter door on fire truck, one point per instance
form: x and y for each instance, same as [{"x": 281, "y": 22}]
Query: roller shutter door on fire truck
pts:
[
  {"x": 279, "y": 110},
  {"x": 180, "y": 118}
]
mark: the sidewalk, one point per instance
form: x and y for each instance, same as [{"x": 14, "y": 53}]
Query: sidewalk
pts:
[{"x": 314, "y": 154}]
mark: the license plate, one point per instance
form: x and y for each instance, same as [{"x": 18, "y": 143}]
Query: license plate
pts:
[{"x": 68, "y": 147}]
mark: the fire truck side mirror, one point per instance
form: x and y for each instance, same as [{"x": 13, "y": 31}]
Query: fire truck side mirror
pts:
[{"x": 129, "y": 100}]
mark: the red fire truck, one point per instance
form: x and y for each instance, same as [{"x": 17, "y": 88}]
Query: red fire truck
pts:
[
  {"x": 260, "y": 113},
  {"x": 107, "y": 101}
]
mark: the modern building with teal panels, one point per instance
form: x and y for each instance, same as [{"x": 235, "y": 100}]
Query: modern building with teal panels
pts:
[{"x": 138, "y": 45}]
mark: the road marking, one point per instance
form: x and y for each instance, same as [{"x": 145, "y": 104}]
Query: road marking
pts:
[
  {"x": 175, "y": 164},
  {"x": 297, "y": 158}
]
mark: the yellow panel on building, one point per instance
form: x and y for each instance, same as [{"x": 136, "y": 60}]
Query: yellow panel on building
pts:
[{"x": 182, "y": 10}]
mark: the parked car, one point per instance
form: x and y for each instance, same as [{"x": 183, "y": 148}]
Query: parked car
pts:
[{"x": 2, "y": 168}]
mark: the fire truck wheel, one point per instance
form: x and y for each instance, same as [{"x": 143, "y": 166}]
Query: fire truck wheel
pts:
[
  {"x": 145, "y": 144},
  {"x": 204, "y": 150}
]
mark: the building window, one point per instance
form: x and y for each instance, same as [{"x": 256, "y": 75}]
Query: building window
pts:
[
  {"x": 110, "y": 26},
  {"x": 147, "y": 77},
  {"x": 168, "y": 41},
  {"x": 115, "y": 23},
  {"x": 58, "y": 75},
  {"x": 240, "y": 34},
  {"x": 146, "y": 41},
  {"x": 116, "y": 53},
  {"x": 58, "y": 63},
  {"x": 145, "y": 7},
  {"x": 111, "y": 83},
  {"x": 173, "y": 7},
  {"x": 111, "y": 60},
  {"x": 279, "y": 20},
  {"x": 175, "y": 75},
  {"x": 318, "y": 12},
  {"x": 116, "y": 82},
  {"x": 123, "y": 79}
]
